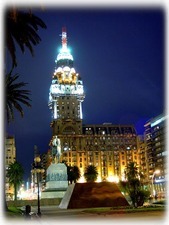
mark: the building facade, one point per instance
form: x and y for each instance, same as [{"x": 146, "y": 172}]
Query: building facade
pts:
[
  {"x": 108, "y": 147},
  {"x": 141, "y": 146},
  {"x": 156, "y": 153},
  {"x": 10, "y": 157}
]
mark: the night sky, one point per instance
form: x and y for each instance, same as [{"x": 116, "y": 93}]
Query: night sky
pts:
[{"x": 119, "y": 54}]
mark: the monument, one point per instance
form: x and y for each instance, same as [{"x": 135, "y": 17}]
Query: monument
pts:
[
  {"x": 56, "y": 149},
  {"x": 93, "y": 195},
  {"x": 56, "y": 175}
]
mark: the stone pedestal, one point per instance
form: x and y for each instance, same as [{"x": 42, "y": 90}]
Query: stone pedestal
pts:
[{"x": 56, "y": 181}]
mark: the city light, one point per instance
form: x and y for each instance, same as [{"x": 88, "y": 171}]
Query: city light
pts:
[
  {"x": 112, "y": 178},
  {"x": 27, "y": 194},
  {"x": 64, "y": 54},
  {"x": 98, "y": 179},
  {"x": 158, "y": 121},
  {"x": 153, "y": 190},
  {"x": 82, "y": 180}
]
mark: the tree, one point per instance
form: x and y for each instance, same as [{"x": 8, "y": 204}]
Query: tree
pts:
[
  {"x": 15, "y": 174},
  {"x": 91, "y": 173},
  {"x": 15, "y": 96},
  {"x": 134, "y": 186},
  {"x": 73, "y": 173},
  {"x": 132, "y": 171},
  {"x": 21, "y": 28},
  {"x": 77, "y": 174}
]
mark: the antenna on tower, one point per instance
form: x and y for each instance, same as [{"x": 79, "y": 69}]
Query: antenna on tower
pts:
[
  {"x": 64, "y": 37},
  {"x": 36, "y": 151}
]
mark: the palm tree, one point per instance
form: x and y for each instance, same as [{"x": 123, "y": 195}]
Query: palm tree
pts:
[
  {"x": 132, "y": 171},
  {"x": 77, "y": 174},
  {"x": 15, "y": 96},
  {"x": 91, "y": 173},
  {"x": 134, "y": 186},
  {"x": 21, "y": 28},
  {"x": 73, "y": 173},
  {"x": 15, "y": 174}
]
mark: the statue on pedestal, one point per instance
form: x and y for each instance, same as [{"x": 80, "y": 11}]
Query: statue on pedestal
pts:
[
  {"x": 56, "y": 149},
  {"x": 56, "y": 173}
]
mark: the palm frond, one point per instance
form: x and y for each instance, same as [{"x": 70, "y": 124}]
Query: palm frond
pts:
[
  {"x": 22, "y": 28},
  {"x": 15, "y": 96}
]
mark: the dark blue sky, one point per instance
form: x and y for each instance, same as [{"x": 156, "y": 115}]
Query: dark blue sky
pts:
[{"x": 120, "y": 57}]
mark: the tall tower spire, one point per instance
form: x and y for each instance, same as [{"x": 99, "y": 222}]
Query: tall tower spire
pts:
[
  {"x": 64, "y": 38},
  {"x": 66, "y": 93},
  {"x": 64, "y": 58}
]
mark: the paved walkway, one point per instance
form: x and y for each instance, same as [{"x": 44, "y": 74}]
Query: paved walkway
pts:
[{"x": 53, "y": 213}]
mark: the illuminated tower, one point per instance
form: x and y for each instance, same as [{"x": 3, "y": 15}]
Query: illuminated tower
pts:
[{"x": 66, "y": 94}]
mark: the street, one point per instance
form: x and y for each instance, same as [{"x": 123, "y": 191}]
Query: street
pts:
[{"x": 51, "y": 214}]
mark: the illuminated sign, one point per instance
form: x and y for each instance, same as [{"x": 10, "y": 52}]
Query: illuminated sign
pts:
[{"x": 158, "y": 121}]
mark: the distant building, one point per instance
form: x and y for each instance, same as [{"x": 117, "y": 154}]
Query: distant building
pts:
[
  {"x": 109, "y": 147},
  {"x": 141, "y": 146},
  {"x": 10, "y": 157},
  {"x": 156, "y": 152}
]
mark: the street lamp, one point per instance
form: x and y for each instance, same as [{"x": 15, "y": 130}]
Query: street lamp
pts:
[
  {"x": 38, "y": 169},
  {"x": 155, "y": 172}
]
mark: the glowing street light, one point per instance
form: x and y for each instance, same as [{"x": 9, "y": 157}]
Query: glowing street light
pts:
[
  {"x": 155, "y": 172},
  {"x": 38, "y": 169}
]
